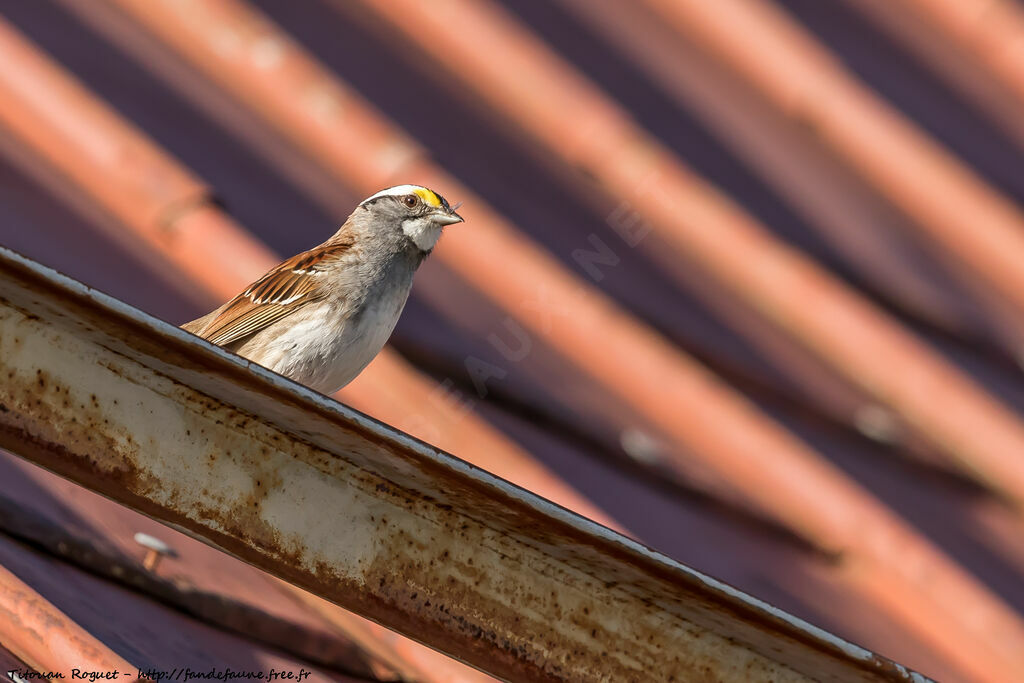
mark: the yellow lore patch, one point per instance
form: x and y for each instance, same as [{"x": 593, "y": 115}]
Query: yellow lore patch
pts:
[{"x": 429, "y": 197}]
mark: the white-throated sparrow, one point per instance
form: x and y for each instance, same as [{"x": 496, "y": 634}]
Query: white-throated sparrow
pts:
[{"x": 321, "y": 316}]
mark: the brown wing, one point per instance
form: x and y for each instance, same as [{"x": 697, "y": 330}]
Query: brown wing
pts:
[{"x": 280, "y": 292}]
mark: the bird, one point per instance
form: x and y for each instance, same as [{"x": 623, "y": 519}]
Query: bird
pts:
[{"x": 321, "y": 316}]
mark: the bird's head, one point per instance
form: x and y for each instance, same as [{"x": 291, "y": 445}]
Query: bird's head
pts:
[{"x": 419, "y": 213}]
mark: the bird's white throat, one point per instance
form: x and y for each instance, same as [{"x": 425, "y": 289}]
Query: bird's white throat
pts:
[{"x": 423, "y": 231}]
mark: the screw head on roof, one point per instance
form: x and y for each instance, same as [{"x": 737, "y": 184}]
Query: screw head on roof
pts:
[
  {"x": 878, "y": 423},
  {"x": 155, "y": 550},
  {"x": 640, "y": 446}
]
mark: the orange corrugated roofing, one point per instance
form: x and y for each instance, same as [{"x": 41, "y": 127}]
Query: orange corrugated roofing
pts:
[{"x": 552, "y": 410}]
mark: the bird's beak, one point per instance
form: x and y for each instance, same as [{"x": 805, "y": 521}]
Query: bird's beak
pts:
[{"x": 448, "y": 216}]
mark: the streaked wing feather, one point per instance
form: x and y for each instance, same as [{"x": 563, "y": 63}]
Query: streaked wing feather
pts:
[
  {"x": 248, "y": 322},
  {"x": 279, "y": 293}
]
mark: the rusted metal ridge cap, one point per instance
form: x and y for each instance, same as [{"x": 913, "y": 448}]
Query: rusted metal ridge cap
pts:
[{"x": 363, "y": 515}]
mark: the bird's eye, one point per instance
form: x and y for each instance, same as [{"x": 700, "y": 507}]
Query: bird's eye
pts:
[{"x": 411, "y": 200}]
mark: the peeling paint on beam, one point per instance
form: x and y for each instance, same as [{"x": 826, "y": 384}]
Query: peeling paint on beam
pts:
[{"x": 360, "y": 514}]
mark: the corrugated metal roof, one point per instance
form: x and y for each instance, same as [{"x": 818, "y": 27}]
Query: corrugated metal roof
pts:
[{"x": 713, "y": 120}]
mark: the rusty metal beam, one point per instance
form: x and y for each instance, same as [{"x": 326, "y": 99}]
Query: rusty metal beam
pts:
[{"x": 365, "y": 516}]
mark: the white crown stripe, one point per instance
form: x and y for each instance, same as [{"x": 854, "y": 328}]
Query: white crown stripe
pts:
[{"x": 428, "y": 195}]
